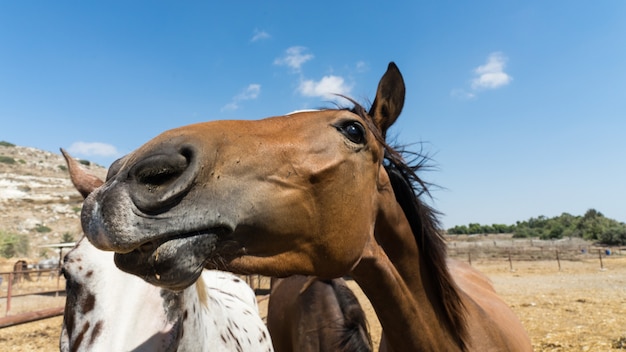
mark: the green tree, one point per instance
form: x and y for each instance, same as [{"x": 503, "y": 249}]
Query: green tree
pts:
[
  {"x": 555, "y": 231},
  {"x": 591, "y": 225},
  {"x": 501, "y": 228},
  {"x": 458, "y": 230},
  {"x": 474, "y": 228},
  {"x": 487, "y": 229}
]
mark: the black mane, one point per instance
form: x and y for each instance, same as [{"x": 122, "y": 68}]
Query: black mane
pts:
[{"x": 355, "y": 336}]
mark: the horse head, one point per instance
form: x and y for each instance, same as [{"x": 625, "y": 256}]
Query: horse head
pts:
[{"x": 283, "y": 195}]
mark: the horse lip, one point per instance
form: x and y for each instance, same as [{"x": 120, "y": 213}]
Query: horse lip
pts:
[
  {"x": 150, "y": 244},
  {"x": 148, "y": 247},
  {"x": 219, "y": 231},
  {"x": 172, "y": 262}
]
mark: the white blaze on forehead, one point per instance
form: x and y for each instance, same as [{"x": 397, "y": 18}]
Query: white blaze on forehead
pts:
[{"x": 303, "y": 110}]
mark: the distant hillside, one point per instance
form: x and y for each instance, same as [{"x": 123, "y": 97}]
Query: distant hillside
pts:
[{"x": 38, "y": 202}]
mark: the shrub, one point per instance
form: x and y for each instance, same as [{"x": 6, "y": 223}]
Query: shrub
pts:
[
  {"x": 67, "y": 237},
  {"x": 6, "y": 144},
  {"x": 12, "y": 245},
  {"x": 63, "y": 167},
  {"x": 42, "y": 228},
  {"x": 6, "y": 159},
  {"x": 85, "y": 162}
]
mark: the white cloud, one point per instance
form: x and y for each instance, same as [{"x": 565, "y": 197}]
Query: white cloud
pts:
[
  {"x": 230, "y": 107},
  {"x": 491, "y": 75},
  {"x": 462, "y": 94},
  {"x": 251, "y": 92},
  {"x": 294, "y": 57},
  {"x": 93, "y": 149},
  {"x": 362, "y": 66},
  {"x": 260, "y": 35},
  {"x": 326, "y": 87}
]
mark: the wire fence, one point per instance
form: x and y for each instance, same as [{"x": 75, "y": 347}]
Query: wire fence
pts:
[
  {"x": 29, "y": 295},
  {"x": 481, "y": 247}
]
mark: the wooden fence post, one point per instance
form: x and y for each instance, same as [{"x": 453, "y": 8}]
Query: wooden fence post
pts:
[
  {"x": 510, "y": 261},
  {"x": 9, "y": 289},
  {"x": 558, "y": 260},
  {"x": 600, "y": 256}
]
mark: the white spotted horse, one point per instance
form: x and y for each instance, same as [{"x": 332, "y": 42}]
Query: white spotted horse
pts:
[
  {"x": 109, "y": 310},
  {"x": 316, "y": 193}
]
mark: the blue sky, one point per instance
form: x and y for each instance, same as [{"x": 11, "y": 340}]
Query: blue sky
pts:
[{"x": 521, "y": 104}]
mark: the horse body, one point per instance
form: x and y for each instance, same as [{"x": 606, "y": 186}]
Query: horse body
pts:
[
  {"x": 309, "y": 315},
  {"x": 109, "y": 310},
  {"x": 313, "y": 193}
]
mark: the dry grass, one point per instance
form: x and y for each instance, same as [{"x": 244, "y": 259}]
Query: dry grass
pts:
[{"x": 580, "y": 308}]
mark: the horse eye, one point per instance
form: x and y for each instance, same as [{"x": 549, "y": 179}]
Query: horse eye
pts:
[{"x": 354, "y": 131}]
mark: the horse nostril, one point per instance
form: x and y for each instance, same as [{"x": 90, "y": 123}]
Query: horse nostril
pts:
[
  {"x": 158, "y": 181},
  {"x": 115, "y": 168},
  {"x": 157, "y": 174}
]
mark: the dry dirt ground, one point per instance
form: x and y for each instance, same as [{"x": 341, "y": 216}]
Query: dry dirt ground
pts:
[{"x": 580, "y": 308}]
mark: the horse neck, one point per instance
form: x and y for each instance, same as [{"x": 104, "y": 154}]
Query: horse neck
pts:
[
  {"x": 220, "y": 312},
  {"x": 194, "y": 315},
  {"x": 394, "y": 271}
]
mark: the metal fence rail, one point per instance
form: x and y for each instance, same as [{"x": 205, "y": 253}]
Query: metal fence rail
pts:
[{"x": 30, "y": 295}]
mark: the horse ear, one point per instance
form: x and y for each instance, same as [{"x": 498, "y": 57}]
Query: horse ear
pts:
[
  {"x": 84, "y": 182},
  {"x": 389, "y": 98}
]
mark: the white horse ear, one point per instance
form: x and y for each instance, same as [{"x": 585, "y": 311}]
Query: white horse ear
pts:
[{"x": 389, "y": 99}]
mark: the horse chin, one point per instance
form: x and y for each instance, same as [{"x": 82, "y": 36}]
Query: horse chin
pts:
[{"x": 174, "y": 264}]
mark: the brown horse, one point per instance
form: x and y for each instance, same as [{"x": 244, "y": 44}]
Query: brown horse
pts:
[
  {"x": 309, "y": 314},
  {"x": 313, "y": 193},
  {"x": 20, "y": 271}
]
